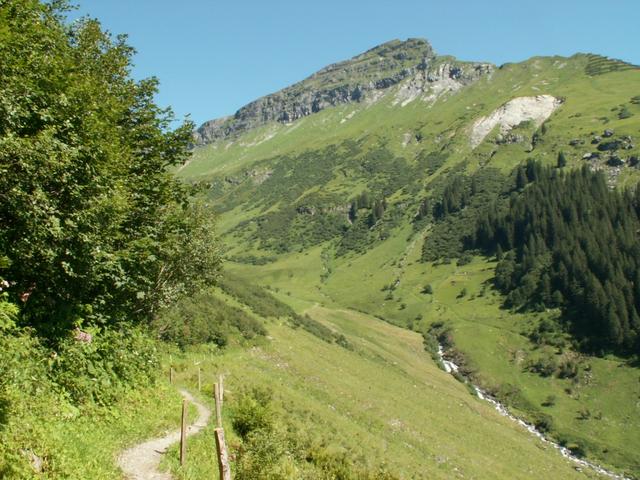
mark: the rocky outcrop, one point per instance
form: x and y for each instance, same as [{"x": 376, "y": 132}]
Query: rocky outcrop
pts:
[
  {"x": 363, "y": 77},
  {"x": 535, "y": 109},
  {"x": 431, "y": 81}
]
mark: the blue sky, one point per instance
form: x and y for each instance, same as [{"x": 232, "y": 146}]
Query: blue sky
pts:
[{"x": 212, "y": 57}]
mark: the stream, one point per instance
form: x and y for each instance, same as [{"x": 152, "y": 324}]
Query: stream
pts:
[{"x": 451, "y": 367}]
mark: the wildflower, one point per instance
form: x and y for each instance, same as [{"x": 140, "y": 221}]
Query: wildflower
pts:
[{"x": 84, "y": 337}]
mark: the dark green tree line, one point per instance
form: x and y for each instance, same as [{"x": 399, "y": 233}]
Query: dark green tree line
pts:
[{"x": 572, "y": 243}]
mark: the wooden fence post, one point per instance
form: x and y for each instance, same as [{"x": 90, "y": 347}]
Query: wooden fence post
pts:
[
  {"x": 223, "y": 457},
  {"x": 221, "y": 383},
  {"x": 183, "y": 432},
  {"x": 171, "y": 375},
  {"x": 216, "y": 394}
]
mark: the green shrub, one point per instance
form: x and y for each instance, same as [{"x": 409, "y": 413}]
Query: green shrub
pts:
[
  {"x": 205, "y": 319},
  {"x": 8, "y": 313},
  {"x": 254, "y": 296},
  {"x": 544, "y": 366},
  {"x": 568, "y": 369},
  {"x": 253, "y": 412},
  {"x": 427, "y": 289},
  {"x": 625, "y": 113},
  {"x": 99, "y": 370},
  {"x": 543, "y": 422},
  {"x": 265, "y": 456},
  {"x": 465, "y": 259},
  {"x": 274, "y": 448},
  {"x": 314, "y": 327}
]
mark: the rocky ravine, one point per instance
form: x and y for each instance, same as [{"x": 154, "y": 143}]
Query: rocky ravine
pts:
[
  {"x": 412, "y": 63},
  {"x": 451, "y": 367}
]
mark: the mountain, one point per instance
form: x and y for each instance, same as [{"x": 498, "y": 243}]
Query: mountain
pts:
[
  {"x": 381, "y": 185},
  {"x": 361, "y": 79}
]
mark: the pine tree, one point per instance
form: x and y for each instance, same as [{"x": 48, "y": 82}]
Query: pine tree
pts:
[
  {"x": 573, "y": 245},
  {"x": 521, "y": 178},
  {"x": 353, "y": 211},
  {"x": 562, "y": 160}
]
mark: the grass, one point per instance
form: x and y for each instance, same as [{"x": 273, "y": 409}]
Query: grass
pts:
[
  {"x": 85, "y": 444},
  {"x": 384, "y": 401},
  {"x": 494, "y": 340}
]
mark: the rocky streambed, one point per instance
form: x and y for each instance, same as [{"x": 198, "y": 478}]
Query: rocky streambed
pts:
[{"x": 451, "y": 367}]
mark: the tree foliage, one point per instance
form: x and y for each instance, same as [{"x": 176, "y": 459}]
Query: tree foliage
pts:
[
  {"x": 571, "y": 242},
  {"x": 95, "y": 227}
]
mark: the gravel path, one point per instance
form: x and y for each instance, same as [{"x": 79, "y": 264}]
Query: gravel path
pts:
[{"x": 141, "y": 461}]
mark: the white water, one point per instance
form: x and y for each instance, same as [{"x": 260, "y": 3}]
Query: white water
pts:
[{"x": 451, "y": 367}]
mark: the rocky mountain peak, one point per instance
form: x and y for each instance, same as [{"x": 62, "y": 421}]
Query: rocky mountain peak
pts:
[{"x": 348, "y": 81}]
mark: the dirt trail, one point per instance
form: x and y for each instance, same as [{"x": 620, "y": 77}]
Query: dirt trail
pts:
[{"x": 141, "y": 461}]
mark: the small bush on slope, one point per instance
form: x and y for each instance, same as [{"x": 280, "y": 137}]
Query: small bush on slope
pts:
[{"x": 204, "y": 318}]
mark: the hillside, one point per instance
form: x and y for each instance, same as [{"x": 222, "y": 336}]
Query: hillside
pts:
[
  {"x": 361, "y": 200},
  {"x": 380, "y": 402}
]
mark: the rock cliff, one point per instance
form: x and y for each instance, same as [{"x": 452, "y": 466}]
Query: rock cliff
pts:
[{"x": 412, "y": 63}]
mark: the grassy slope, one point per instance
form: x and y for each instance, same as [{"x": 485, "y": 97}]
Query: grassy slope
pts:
[
  {"x": 491, "y": 338},
  {"x": 386, "y": 401},
  {"x": 77, "y": 445}
]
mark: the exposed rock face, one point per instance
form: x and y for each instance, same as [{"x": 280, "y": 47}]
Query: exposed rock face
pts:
[
  {"x": 439, "y": 78},
  {"x": 536, "y": 109},
  {"x": 362, "y": 78}
]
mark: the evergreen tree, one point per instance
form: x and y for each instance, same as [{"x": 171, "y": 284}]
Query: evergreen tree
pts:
[
  {"x": 571, "y": 242},
  {"x": 562, "y": 160}
]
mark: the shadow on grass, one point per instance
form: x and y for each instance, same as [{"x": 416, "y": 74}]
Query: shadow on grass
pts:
[{"x": 4, "y": 414}]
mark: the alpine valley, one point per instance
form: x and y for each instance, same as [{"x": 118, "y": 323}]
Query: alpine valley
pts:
[{"x": 413, "y": 211}]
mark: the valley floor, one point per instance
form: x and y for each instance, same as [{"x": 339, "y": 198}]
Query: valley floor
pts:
[
  {"x": 384, "y": 400},
  {"x": 595, "y": 413}
]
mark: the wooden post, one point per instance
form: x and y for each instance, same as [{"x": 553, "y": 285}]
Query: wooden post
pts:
[
  {"x": 221, "y": 383},
  {"x": 171, "y": 375},
  {"x": 199, "y": 380},
  {"x": 216, "y": 394},
  {"x": 223, "y": 456},
  {"x": 183, "y": 432}
]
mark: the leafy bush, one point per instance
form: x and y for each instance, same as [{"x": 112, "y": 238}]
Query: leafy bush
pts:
[
  {"x": 273, "y": 448},
  {"x": 569, "y": 368},
  {"x": 253, "y": 412},
  {"x": 512, "y": 396},
  {"x": 625, "y": 113},
  {"x": 204, "y": 318},
  {"x": 255, "y": 297},
  {"x": 543, "y": 422},
  {"x": 544, "y": 365},
  {"x": 45, "y": 411},
  {"x": 8, "y": 312},
  {"x": 94, "y": 223},
  {"x": 314, "y": 327},
  {"x": 99, "y": 370}
]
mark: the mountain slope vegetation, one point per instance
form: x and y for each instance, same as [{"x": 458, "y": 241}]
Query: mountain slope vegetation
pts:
[
  {"x": 370, "y": 217},
  {"x": 378, "y": 205}
]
